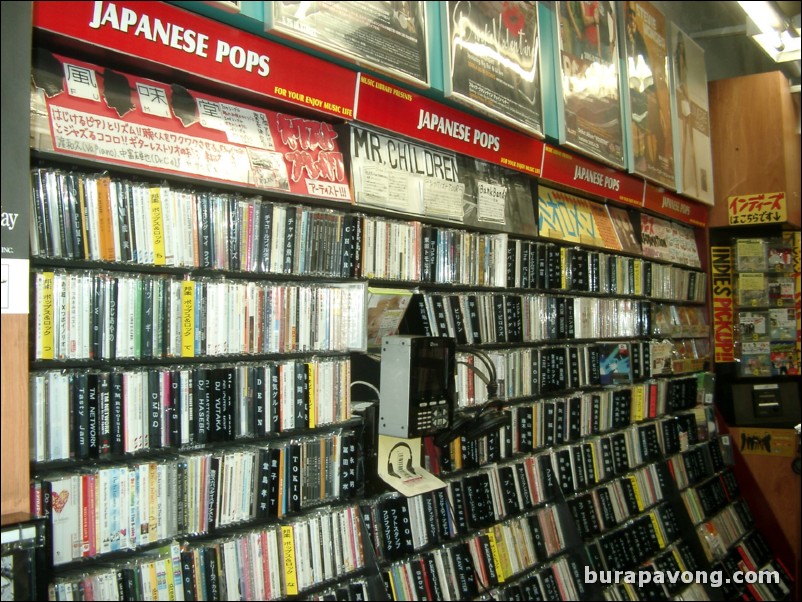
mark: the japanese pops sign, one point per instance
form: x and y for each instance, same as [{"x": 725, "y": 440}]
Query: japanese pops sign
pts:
[
  {"x": 762, "y": 208},
  {"x": 169, "y": 36}
]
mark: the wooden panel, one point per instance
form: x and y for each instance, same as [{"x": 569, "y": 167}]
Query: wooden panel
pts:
[
  {"x": 772, "y": 490},
  {"x": 14, "y": 495},
  {"x": 753, "y": 125}
]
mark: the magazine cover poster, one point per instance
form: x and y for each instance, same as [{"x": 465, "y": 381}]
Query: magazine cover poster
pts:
[
  {"x": 590, "y": 80},
  {"x": 387, "y": 36},
  {"x": 492, "y": 61},
  {"x": 651, "y": 140},
  {"x": 692, "y": 153}
]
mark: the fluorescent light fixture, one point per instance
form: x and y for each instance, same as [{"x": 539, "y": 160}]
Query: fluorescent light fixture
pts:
[{"x": 772, "y": 32}]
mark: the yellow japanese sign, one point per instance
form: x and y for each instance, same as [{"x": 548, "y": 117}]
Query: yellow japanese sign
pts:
[{"x": 760, "y": 208}]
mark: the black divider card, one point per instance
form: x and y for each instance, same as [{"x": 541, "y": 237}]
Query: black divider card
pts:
[
  {"x": 430, "y": 517},
  {"x": 524, "y": 415},
  {"x": 458, "y": 502},
  {"x": 606, "y": 505},
  {"x": 538, "y": 538},
  {"x": 458, "y": 319},
  {"x": 514, "y": 250},
  {"x": 591, "y": 478},
  {"x": 667, "y": 562},
  {"x": 79, "y": 394},
  {"x": 649, "y": 442},
  {"x": 550, "y": 586},
  {"x": 584, "y": 513},
  {"x": 564, "y": 471},
  {"x": 620, "y": 456},
  {"x": 669, "y": 429},
  {"x": 442, "y": 513},
  {"x": 420, "y": 580},
  {"x": 608, "y": 463},
  {"x": 479, "y": 500},
  {"x": 669, "y": 520},
  {"x": 578, "y": 467},
  {"x": 464, "y": 570},
  {"x": 394, "y": 523},
  {"x": 509, "y": 490},
  {"x": 523, "y": 485},
  {"x": 548, "y": 478},
  {"x": 621, "y": 408},
  {"x": 560, "y": 421},
  {"x": 432, "y": 576}
]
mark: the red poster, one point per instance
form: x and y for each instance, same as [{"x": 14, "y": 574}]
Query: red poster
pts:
[
  {"x": 564, "y": 168},
  {"x": 83, "y": 110},
  {"x": 397, "y": 110},
  {"x": 172, "y": 37}
]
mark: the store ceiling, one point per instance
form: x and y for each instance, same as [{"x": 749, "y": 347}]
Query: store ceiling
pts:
[{"x": 720, "y": 28}]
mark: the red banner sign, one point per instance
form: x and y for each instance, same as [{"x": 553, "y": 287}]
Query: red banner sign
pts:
[
  {"x": 395, "y": 109},
  {"x": 567, "y": 169},
  {"x": 675, "y": 207},
  {"x": 173, "y": 37}
]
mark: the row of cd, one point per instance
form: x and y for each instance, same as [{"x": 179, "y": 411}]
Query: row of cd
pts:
[
  {"x": 674, "y": 560},
  {"x": 605, "y": 507},
  {"x": 101, "y": 315},
  {"x": 585, "y": 465},
  {"x": 721, "y": 531},
  {"x": 582, "y": 270},
  {"x": 268, "y": 564},
  {"x": 400, "y": 526},
  {"x": 697, "y": 463},
  {"x": 101, "y": 218},
  {"x": 127, "y": 411},
  {"x": 753, "y": 553},
  {"x": 102, "y": 509},
  {"x": 465, "y": 570},
  {"x": 98, "y": 217},
  {"x": 554, "y": 421},
  {"x": 528, "y": 372},
  {"x": 415, "y": 252},
  {"x": 708, "y": 498},
  {"x": 478, "y": 318}
]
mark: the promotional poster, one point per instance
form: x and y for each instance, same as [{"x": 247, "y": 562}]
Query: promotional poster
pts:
[
  {"x": 397, "y": 174},
  {"x": 83, "y": 110},
  {"x": 492, "y": 60},
  {"x": 692, "y": 153},
  {"x": 651, "y": 142},
  {"x": 590, "y": 80},
  {"x": 387, "y": 36}
]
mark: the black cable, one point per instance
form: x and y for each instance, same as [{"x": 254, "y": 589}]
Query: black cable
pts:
[
  {"x": 492, "y": 385},
  {"x": 472, "y": 367}
]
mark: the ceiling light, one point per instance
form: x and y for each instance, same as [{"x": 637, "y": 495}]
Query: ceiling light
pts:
[{"x": 772, "y": 31}]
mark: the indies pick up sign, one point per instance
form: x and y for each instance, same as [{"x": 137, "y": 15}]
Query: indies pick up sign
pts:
[{"x": 83, "y": 110}]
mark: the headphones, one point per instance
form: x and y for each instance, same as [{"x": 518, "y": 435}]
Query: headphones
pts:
[{"x": 399, "y": 459}]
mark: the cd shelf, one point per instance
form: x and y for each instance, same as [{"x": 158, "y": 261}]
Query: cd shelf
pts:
[
  {"x": 196, "y": 341},
  {"x": 212, "y": 453}
]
